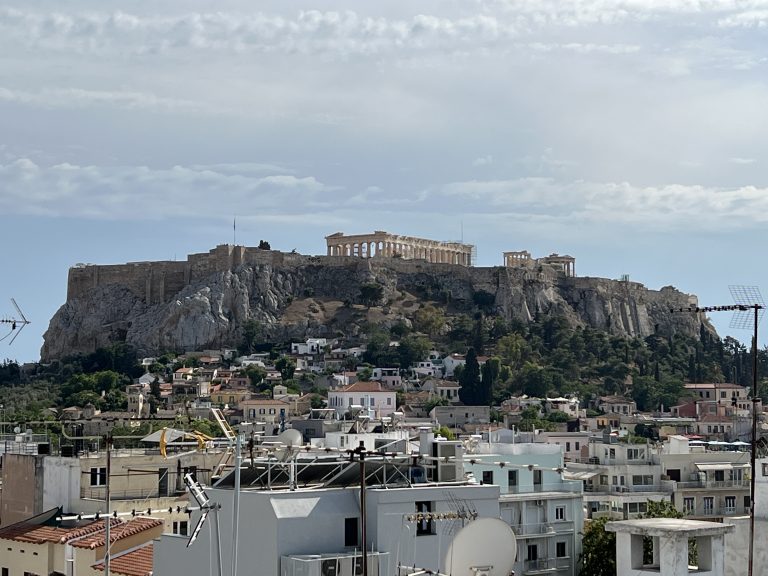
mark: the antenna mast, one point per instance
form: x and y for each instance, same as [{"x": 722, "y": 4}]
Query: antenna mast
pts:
[{"x": 15, "y": 323}]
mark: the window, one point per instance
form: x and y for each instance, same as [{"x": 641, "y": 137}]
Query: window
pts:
[
  {"x": 722, "y": 394},
  {"x": 635, "y": 453},
  {"x": 262, "y": 411},
  {"x": 350, "y": 532},
  {"x": 99, "y": 476},
  {"x": 559, "y": 512},
  {"x": 603, "y": 479},
  {"x": 730, "y": 504},
  {"x": 709, "y": 505},
  {"x": 5, "y": 570},
  {"x": 577, "y": 446},
  {"x": 487, "y": 476},
  {"x": 512, "y": 478},
  {"x": 765, "y": 469},
  {"x": 689, "y": 505},
  {"x": 181, "y": 527},
  {"x": 426, "y": 525},
  {"x": 567, "y": 446},
  {"x": 271, "y": 410},
  {"x": 642, "y": 480},
  {"x": 560, "y": 550},
  {"x": 533, "y": 552},
  {"x": 389, "y": 401},
  {"x": 537, "y": 478}
]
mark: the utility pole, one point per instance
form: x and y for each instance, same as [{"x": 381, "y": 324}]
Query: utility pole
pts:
[
  {"x": 109, "y": 511},
  {"x": 361, "y": 453},
  {"x": 747, "y": 298}
]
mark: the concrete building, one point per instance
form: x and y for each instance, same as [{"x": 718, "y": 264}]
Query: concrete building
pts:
[
  {"x": 670, "y": 537},
  {"x": 139, "y": 480},
  {"x": 459, "y": 416},
  {"x": 619, "y": 478},
  {"x": 372, "y": 397},
  {"x": 41, "y": 546},
  {"x": 297, "y": 515},
  {"x": 544, "y": 510}
]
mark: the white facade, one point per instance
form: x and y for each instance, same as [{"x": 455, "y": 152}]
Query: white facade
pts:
[
  {"x": 317, "y": 521},
  {"x": 544, "y": 510},
  {"x": 372, "y": 398}
]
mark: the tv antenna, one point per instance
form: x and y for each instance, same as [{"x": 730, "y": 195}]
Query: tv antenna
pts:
[
  {"x": 747, "y": 312},
  {"x": 16, "y": 323},
  {"x": 206, "y": 507}
]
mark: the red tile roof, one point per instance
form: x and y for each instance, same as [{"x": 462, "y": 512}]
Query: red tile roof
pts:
[
  {"x": 122, "y": 530},
  {"x": 363, "y": 387},
  {"x": 36, "y": 534},
  {"x": 137, "y": 562}
]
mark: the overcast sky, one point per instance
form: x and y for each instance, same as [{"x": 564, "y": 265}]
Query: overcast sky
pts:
[{"x": 631, "y": 135}]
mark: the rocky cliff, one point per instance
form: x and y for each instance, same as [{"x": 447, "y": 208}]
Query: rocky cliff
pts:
[{"x": 204, "y": 302}]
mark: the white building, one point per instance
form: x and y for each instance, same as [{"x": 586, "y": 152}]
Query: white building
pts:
[
  {"x": 311, "y": 347},
  {"x": 544, "y": 510},
  {"x": 308, "y": 521},
  {"x": 371, "y": 396}
]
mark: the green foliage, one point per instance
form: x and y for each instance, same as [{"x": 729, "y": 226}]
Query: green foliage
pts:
[
  {"x": 445, "y": 432},
  {"x": 286, "y": 366},
  {"x": 598, "y": 549},
  {"x": 253, "y": 335},
  {"x": 434, "y": 401},
  {"x": 471, "y": 392},
  {"x": 371, "y": 294},
  {"x": 429, "y": 319},
  {"x": 412, "y": 349},
  {"x": 557, "y": 416}
]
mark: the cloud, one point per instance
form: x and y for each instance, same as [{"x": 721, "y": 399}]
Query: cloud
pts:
[
  {"x": 482, "y": 161},
  {"x": 741, "y": 161},
  {"x": 669, "y": 206},
  {"x": 81, "y": 98},
  {"x": 140, "y": 192}
]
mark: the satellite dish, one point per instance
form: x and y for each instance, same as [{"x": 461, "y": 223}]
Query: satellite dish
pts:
[
  {"x": 486, "y": 546},
  {"x": 290, "y": 437}
]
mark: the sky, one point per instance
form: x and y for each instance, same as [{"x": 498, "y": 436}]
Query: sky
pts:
[{"x": 630, "y": 134}]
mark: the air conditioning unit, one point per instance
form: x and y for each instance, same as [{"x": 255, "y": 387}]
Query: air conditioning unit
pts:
[{"x": 481, "y": 570}]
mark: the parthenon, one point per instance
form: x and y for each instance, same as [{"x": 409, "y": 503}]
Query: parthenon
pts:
[{"x": 386, "y": 245}]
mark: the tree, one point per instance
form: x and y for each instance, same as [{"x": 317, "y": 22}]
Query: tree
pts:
[
  {"x": 490, "y": 376},
  {"x": 264, "y": 245},
  {"x": 412, "y": 349},
  {"x": 252, "y": 333},
  {"x": 429, "y": 320},
  {"x": 470, "y": 380},
  {"x": 371, "y": 294},
  {"x": 286, "y": 366},
  {"x": 598, "y": 549}
]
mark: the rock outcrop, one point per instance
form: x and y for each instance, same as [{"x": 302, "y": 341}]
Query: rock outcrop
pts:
[{"x": 205, "y": 301}]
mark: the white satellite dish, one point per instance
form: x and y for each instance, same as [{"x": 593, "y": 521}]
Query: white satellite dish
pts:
[
  {"x": 290, "y": 437},
  {"x": 486, "y": 547}
]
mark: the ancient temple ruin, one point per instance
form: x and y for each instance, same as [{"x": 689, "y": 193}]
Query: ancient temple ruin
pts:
[
  {"x": 565, "y": 264},
  {"x": 386, "y": 245}
]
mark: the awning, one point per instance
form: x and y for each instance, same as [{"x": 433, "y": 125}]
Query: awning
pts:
[
  {"x": 580, "y": 475},
  {"x": 704, "y": 467}
]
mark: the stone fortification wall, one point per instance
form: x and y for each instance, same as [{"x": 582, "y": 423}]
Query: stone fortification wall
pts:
[{"x": 204, "y": 301}]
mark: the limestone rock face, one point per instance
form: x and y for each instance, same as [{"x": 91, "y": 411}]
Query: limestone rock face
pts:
[{"x": 302, "y": 296}]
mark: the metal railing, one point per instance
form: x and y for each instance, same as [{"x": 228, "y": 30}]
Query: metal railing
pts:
[
  {"x": 570, "y": 486},
  {"x": 543, "y": 528}
]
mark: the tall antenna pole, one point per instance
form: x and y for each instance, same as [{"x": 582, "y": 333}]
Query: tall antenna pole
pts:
[
  {"x": 747, "y": 298},
  {"x": 234, "y": 230},
  {"x": 109, "y": 512}
]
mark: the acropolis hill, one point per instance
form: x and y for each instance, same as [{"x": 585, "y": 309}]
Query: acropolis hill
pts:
[{"x": 203, "y": 301}]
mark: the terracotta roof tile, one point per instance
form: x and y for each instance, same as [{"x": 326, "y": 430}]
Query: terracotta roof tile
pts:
[
  {"x": 363, "y": 387},
  {"x": 36, "y": 534},
  {"x": 137, "y": 562},
  {"x": 122, "y": 530}
]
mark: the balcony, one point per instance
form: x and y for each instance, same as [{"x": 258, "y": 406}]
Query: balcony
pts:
[
  {"x": 99, "y": 493},
  {"x": 543, "y": 529},
  {"x": 713, "y": 484},
  {"x": 546, "y": 565},
  {"x": 569, "y": 486}
]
